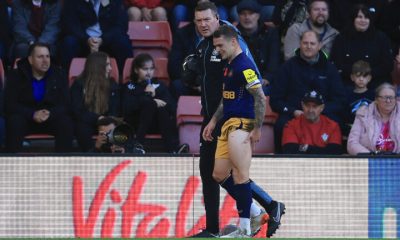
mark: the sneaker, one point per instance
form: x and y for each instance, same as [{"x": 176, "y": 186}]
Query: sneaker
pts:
[
  {"x": 183, "y": 148},
  {"x": 275, "y": 218},
  {"x": 138, "y": 148},
  {"x": 238, "y": 233},
  {"x": 204, "y": 234},
  {"x": 257, "y": 221}
]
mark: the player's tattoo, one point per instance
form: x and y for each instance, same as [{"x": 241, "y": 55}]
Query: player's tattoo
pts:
[
  {"x": 259, "y": 105},
  {"x": 219, "y": 113}
]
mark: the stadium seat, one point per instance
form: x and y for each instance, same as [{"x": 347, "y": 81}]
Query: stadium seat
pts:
[
  {"x": 189, "y": 121},
  {"x": 266, "y": 143},
  {"x": 161, "y": 71},
  {"x": 78, "y": 64},
  {"x": 153, "y": 37}
]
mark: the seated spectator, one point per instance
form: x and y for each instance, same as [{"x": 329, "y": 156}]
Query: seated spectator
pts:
[
  {"x": 317, "y": 21},
  {"x": 184, "y": 42},
  {"x": 264, "y": 44},
  {"x": 5, "y": 31},
  {"x": 376, "y": 129},
  {"x": 93, "y": 25},
  {"x": 148, "y": 105},
  {"x": 359, "y": 95},
  {"x": 36, "y": 101},
  {"x": 146, "y": 10},
  {"x": 308, "y": 70},
  {"x": 35, "y": 21},
  {"x": 94, "y": 95},
  {"x": 288, "y": 12},
  {"x": 361, "y": 41},
  {"x": 312, "y": 132},
  {"x": 105, "y": 143}
]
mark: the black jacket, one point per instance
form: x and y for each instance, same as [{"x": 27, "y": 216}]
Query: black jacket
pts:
[
  {"x": 133, "y": 95},
  {"x": 80, "y": 111},
  {"x": 19, "y": 93},
  {"x": 265, "y": 46}
]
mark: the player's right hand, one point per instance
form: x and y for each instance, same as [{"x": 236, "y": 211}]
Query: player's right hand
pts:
[{"x": 208, "y": 131}]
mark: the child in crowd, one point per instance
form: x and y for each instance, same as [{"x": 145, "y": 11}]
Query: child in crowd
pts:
[
  {"x": 148, "y": 106},
  {"x": 359, "y": 95}
]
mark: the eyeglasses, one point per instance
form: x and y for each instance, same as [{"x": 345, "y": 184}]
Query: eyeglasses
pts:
[{"x": 387, "y": 98}]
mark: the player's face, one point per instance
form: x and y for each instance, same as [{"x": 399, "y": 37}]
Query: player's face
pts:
[
  {"x": 40, "y": 60},
  {"x": 249, "y": 19},
  {"x": 319, "y": 13},
  {"x": 206, "y": 22},
  {"x": 145, "y": 72},
  {"x": 361, "y": 80},
  {"x": 361, "y": 23},
  {"x": 224, "y": 47},
  {"x": 312, "y": 111},
  {"x": 309, "y": 46}
]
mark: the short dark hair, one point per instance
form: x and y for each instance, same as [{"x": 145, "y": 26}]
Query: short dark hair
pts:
[
  {"x": 311, "y": 2},
  {"x": 35, "y": 45},
  {"x": 105, "y": 121},
  {"x": 361, "y": 68},
  {"x": 226, "y": 31},
  {"x": 203, "y": 6}
]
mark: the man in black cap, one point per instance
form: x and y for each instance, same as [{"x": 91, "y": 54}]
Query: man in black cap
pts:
[
  {"x": 263, "y": 42},
  {"x": 311, "y": 132}
]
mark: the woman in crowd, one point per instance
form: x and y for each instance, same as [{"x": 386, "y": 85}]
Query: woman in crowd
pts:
[
  {"x": 147, "y": 104},
  {"x": 376, "y": 128},
  {"x": 94, "y": 94},
  {"x": 361, "y": 41}
]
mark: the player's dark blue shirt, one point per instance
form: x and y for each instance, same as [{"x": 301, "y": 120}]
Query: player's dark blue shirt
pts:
[{"x": 239, "y": 75}]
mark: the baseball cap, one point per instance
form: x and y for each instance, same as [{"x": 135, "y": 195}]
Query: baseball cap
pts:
[
  {"x": 251, "y": 5},
  {"x": 313, "y": 96}
]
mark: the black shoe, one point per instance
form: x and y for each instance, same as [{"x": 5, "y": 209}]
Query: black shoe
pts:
[
  {"x": 183, "y": 148},
  {"x": 138, "y": 148},
  {"x": 275, "y": 216},
  {"x": 204, "y": 234}
]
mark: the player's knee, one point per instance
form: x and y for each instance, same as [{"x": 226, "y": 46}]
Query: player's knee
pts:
[{"x": 219, "y": 176}]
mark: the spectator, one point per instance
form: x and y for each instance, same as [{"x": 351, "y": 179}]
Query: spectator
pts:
[
  {"x": 107, "y": 127},
  {"x": 185, "y": 40},
  {"x": 147, "y": 104},
  {"x": 318, "y": 11},
  {"x": 36, "y": 101},
  {"x": 146, "y": 10},
  {"x": 359, "y": 95},
  {"x": 312, "y": 132},
  {"x": 93, "y": 25},
  {"x": 361, "y": 41},
  {"x": 264, "y": 44},
  {"x": 308, "y": 69},
  {"x": 376, "y": 128},
  {"x": 94, "y": 95},
  {"x": 288, "y": 12},
  {"x": 5, "y": 31},
  {"x": 35, "y": 21}
]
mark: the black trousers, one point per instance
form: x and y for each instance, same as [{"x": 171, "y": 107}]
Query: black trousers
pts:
[
  {"x": 211, "y": 188},
  {"x": 58, "y": 124}
]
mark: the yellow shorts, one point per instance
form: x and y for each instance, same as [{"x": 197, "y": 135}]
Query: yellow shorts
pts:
[{"x": 229, "y": 126}]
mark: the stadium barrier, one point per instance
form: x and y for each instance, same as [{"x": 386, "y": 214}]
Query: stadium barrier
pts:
[{"x": 160, "y": 196}]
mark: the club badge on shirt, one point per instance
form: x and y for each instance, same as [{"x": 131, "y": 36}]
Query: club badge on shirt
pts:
[{"x": 325, "y": 137}]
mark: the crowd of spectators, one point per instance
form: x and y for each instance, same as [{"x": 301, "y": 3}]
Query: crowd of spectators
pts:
[{"x": 344, "y": 51}]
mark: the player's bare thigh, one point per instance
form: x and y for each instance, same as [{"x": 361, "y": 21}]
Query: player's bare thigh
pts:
[{"x": 240, "y": 155}]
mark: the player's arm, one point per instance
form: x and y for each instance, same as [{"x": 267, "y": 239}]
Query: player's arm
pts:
[
  {"x": 259, "y": 105},
  {"x": 211, "y": 125}
]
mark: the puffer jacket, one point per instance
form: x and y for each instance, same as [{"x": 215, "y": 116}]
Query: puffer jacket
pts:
[{"x": 367, "y": 128}]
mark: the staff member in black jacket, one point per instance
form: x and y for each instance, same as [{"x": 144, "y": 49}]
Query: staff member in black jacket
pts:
[{"x": 37, "y": 101}]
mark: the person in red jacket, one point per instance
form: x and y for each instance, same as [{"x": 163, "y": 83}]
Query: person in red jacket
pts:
[
  {"x": 146, "y": 10},
  {"x": 311, "y": 132}
]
